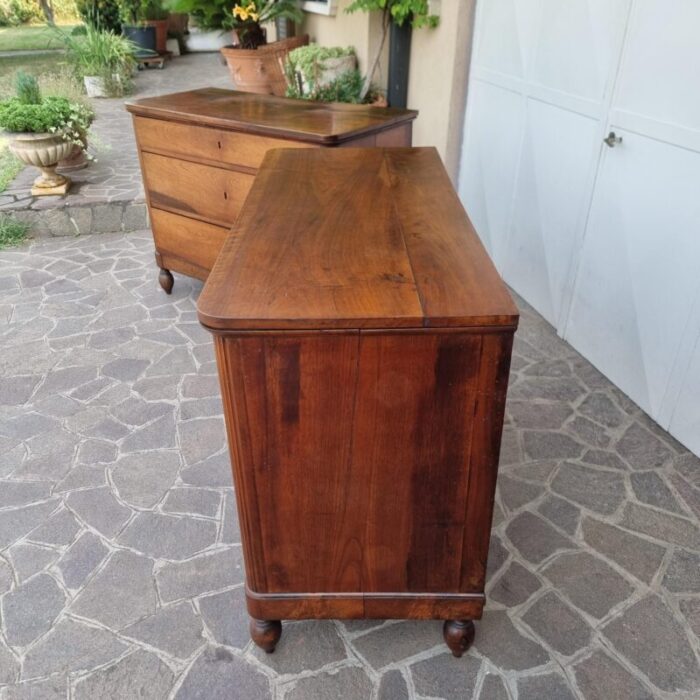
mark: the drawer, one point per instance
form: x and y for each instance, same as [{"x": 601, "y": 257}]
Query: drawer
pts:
[
  {"x": 201, "y": 191},
  {"x": 205, "y": 143},
  {"x": 187, "y": 239}
]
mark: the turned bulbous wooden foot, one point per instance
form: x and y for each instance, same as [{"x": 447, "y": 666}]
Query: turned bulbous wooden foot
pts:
[
  {"x": 459, "y": 635},
  {"x": 165, "y": 277},
  {"x": 265, "y": 633}
]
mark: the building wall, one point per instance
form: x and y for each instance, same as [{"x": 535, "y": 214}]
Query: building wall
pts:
[{"x": 438, "y": 70}]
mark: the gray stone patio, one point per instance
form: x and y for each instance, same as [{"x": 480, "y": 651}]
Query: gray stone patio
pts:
[
  {"x": 120, "y": 558},
  {"x": 108, "y": 195}
]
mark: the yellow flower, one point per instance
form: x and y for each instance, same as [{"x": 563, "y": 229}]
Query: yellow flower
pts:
[{"x": 245, "y": 13}]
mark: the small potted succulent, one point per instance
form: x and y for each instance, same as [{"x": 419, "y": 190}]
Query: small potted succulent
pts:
[
  {"x": 38, "y": 128},
  {"x": 255, "y": 65}
]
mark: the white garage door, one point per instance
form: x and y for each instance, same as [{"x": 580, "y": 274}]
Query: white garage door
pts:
[{"x": 604, "y": 240}]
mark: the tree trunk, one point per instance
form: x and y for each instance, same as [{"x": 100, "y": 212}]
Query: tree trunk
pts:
[
  {"x": 47, "y": 9},
  {"x": 386, "y": 18}
]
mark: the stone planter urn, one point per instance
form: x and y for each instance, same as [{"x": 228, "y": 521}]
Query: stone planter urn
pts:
[
  {"x": 329, "y": 69},
  {"x": 43, "y": 151}
]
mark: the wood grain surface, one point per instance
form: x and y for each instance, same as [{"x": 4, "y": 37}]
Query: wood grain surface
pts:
[{"x": 354, "y": 238}]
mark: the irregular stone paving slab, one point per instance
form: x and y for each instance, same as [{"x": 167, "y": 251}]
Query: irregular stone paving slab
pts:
[
  {"x": 100, "y": 509},
  {"x": 392, "y": 686},
  {"x": 600, "y": 677},
  {"x": 81, "y": 559},
  {"x": 9, "y": 665},
  {"x": 192, "y": 500},
  {"x": 534, "y": 538},
  {"x": 514, "y": 586},
  {"x": 638, "y": 556},
  {"x": 661, "y": 526},
  {"x": 28, "y": 559},
  {"x": 597, "y": 490},
  {"x": 214, "y": 472},
  {"x": 683, "y": 572},
  {"x": 398, "y": 641},
  {"x": 516, "y": 493},
  {"x": 143, "y": 479},
  {"x": 203, "y": 574},
  {"x": 176, "y": 629},
  {"x": 226, "y": 617},
  {"x": 558, "y": 624},
  {"x": 650, "y": 488},
  {"x": 588, "y": 582},
  {"x": 138, "y": 675},
  {"x": 304, "y": 646},
  {"x": 504, "y": 645},
  {"x": 71, "y": 646},
  {"x": 642, "y": 631},
  {"x": 60, "y": 529},
  {"x": 15, "y": 523},
  {"x": 549, "y": 685},
  {"x": 345, "y": 683},
  {"x": 561, "y": 513},
  {"x": 168, "y": 536},
  {"x": 493, "y": 688},
  {"x": 641, "y": 449},
  {"x": 217, "y": 673},
  {"x": 550, "y": 445},
  {"x": 53, "y": 688},
  {"x": 122, "y": 592},
  {"x": 691, "y": 609},
  {"x": 440, "y": 676}
]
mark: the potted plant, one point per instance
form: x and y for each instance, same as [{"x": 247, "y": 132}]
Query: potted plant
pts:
[
  {"x": 37, "y": 128},
  {"x": 156, "y": 16},
  {"x": 255, "y": 65},
  {"x": 401, "y": 16},
  {"x": 312, "y": 67},
  {"x": 207, "y": 18},
  {"x": 133, "y": 16},
  {"x": 104, "y": 61}
]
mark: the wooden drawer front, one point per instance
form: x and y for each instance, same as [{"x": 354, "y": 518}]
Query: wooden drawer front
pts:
[
  {"x": 200, "y": 142},
  {"x": 212, "y": 194},
  {"x": 187, "y": 239}
]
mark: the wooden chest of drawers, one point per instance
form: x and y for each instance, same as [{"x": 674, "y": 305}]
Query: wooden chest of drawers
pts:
[
  {"x": 200, "y": 151},
  {"x": 363, "y": 341}
]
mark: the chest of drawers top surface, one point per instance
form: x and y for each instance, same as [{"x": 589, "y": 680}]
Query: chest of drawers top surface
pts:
[
  {"x": 354, "y": 238},
  {"x": 310, "y": 122}
]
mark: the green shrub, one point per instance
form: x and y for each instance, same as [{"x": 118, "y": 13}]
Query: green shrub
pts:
[
  {"x": 12, "y": 232},
  {"x": 16, "y": 12},
  {"x": 65, "y": 10},
  {"x": 100, "y": 14},
  {"x": 49, "y": 115},
  {"x": 27, "y": 88},
  {"x": 307, "y": 62}
]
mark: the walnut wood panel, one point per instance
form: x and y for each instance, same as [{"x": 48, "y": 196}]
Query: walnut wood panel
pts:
[
  {"x": 216, "y": 146},
  {"x": 354, "y": 238},
  {"x": 353, "y": 455},
  {"x": 211, "y": 194},
  {"x": 266, "y": 115},
  {"x": 181, "y": 239}
]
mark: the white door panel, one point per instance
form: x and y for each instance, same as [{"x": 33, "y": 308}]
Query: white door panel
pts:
[
  {"x": 685, "y": 422},
  {"x": 638, "y": 272},
  {"x": 555, "y": 168},
  {"x": 488, "y": 176},
  {"x": 660, "y": 72},
  {"x": 577, "y": 44}
]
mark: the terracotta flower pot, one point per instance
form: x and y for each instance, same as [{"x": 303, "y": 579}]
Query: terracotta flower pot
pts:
[
  {"x": 161, "y": 27},
  {"x": 43, "y": 151},
  {"x": 260, "y": 70}
]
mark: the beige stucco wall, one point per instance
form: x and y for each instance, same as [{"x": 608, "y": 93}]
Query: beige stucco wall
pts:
[{"x": 438, "y": 72}]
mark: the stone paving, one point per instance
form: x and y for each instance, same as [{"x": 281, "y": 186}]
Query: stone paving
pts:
[
  {"x": 108, "y": 194},
  {"x": 120, "y": 558}
]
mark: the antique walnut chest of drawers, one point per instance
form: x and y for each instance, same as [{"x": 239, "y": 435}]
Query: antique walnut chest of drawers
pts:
[
  {"x": 363, "y": 341},
  {"x": 200, "y": 150}
]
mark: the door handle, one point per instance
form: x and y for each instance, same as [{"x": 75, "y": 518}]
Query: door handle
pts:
[{"x": 612, "y": 139}]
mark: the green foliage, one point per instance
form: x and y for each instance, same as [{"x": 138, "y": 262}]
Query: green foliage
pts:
[
  {"x": 10, "y": 165},
  {"x": 347, "y": 87},
  {"x": 27, "y": 88},
  {"x": 206, "y": 14},
  {"x": 47, "y": 116},
  {"x": 102, "y": 54},
  {"x": 16, "y": 12},
  {"x": 100, "y": 14},
  {"x": 417, "y": 11},
  {"x": 305, "y": 65},
  {"x": 154, "y": 9},
  {"x": 12, "y": 232}
]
